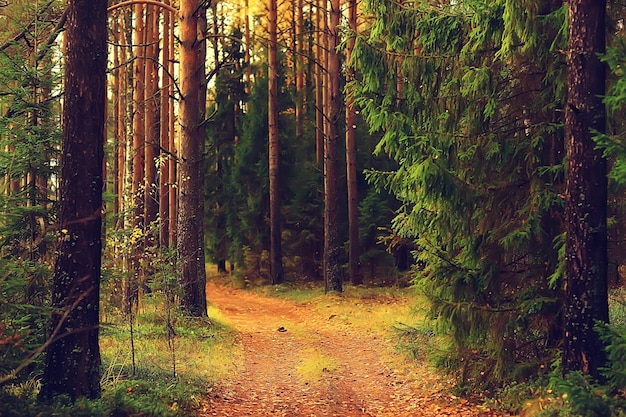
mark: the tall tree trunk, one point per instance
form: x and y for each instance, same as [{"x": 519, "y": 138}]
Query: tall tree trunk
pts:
[
  {"x": 120, "y": 92},
  {"x": 351, "y": 165},
  {"x": 165, "y": 187},
  {"x": 139, "y": 136},
  {"x": 586, "y": 293},
  {"x": 202, "y": 33},
  {"x": 247, "y": 75},
  {"x": 151, "y": 71},
  {"x": 131, "y": 286},
  {"x": 173, "y": 172},
  {"x": 299, "y": 52},
  {"x": 190, "y": 221},
  {"x": 320, "y": 68},
  {"x": 332, "y": 244},
  {"x": 72, "y": 365},
  {"x": 276, "y": 263}
]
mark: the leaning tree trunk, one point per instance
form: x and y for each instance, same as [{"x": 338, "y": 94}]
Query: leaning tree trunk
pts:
[
  {"x": 586, "y": 299},
  {"x": 72, "y": 365},
  {"x": 190, "y": 220}
]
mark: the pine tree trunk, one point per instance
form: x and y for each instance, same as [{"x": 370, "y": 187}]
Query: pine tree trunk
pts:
[
  {"x": 139, "y": 135},
  {"x": 131, "y": 286},
  {"x": 190, "y": 220},
  {"x": 72, "y": 365},
  {"x": 276, "y": 264},
  {"x": 319, "y": 83},
  {"x": 202, "y": 34},
  {"x": 586, "y": 293},
  {"x": 151, "y": 71},
  {"x": 332, "y": 242},
  {"x": 351, "y": 166},
  {"x": 165, "y": 187},
  {"x": 173, "y": 171},
  {"x": 120, "y": 94},
  {"x": 118, "y": 117},
  {"x": 247, "y": 75},
  {"x": 299, "y": 51}
]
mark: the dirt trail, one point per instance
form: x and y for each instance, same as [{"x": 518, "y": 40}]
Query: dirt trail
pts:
[{"x": 278, "y": 336}]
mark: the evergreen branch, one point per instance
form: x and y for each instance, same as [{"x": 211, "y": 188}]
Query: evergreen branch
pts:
[
  {"x": 53, "y": 36},
  {"x": 54, "y": 336},
  {"x": 475, "y": 307},
  {"x": 26, "y": 30},
  {"x": 46, "y": 46}
]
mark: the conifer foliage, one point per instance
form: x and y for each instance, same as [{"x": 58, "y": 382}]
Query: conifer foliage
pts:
[{"x": 468, "y": 96}]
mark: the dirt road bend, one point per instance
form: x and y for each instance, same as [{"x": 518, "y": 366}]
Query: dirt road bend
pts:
[{"x": 300, "y": 360}]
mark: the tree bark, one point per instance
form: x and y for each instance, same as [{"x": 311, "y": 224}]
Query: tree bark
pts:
[
  {"x": 173, "y": 171},
  {"x": 354, "y": 264},
  {"x": 319, "y": 84},
  {"x": 131, "y": 285},
  {"x": 586, "y": 293},
  {"x": 276, "y": 263},
  {"x": 190, "y": 220},
  {"x": 72, "y": 365},
  {"x": 299, "y": 61},
  {"x": 152, "y": 122},
  {"x": 332, "y": 244},
  {"x": 165, "y": 187},
  {"x": 139, "y": 135}
]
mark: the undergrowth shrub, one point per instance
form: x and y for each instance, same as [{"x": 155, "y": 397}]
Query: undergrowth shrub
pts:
[{"x": 586, "y": 397}]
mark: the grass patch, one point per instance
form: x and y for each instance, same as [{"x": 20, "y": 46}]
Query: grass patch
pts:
[
  {"x": 196, "y": 349},
  {"x": 176, "y": 361},
  {"x": 314, "y": 365},
  {"x": 377, "y": 309}
]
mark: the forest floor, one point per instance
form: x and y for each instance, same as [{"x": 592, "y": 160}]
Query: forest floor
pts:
[{"x": 305, "y": 359}]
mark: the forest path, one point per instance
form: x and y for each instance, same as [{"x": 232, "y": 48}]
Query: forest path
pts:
[{"x": 298, "y": 360}]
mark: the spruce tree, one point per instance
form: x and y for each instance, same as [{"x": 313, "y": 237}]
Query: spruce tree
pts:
[{"x": 468, "y": 97}]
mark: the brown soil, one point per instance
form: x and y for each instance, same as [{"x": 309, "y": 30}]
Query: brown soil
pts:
[{"x": 365, "y": 379}]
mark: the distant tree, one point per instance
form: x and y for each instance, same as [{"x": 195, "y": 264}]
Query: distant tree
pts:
[
  {"x": 586, "y": 284},
  {"x": 299, "y": 51},
  {"x": 224, "y": 135},
  {"x": 72, "y": 365}
]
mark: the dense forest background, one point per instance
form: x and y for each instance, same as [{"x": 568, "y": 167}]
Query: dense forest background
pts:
[{"x": 382, "y": 142}]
